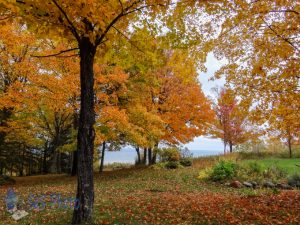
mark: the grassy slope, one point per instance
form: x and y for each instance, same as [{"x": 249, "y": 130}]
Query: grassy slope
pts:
[
  {"x": 147, "y": 196},
  {"x": 289, "y": 165}
]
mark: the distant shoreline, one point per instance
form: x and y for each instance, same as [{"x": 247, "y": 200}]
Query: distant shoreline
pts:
[{"x": 128, "y": 155}]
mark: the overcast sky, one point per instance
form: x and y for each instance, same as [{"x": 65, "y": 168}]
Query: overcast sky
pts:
[{"x": 203, "y": 143}]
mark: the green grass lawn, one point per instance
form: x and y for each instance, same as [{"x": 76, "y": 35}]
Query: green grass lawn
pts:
[
  {"x": 289, "y": 165},
  {"x": 149, "y": 196}
]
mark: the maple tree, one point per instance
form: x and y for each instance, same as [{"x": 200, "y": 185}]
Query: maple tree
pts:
[
  {"x": 41, "y": 95},
  {"x": 89, "y": 24},
  {"x": 232, "y": 119},
  {"x": 283, "y": 121},
  {"x": 260, "y": 40},
  {"x": 138, "y": 75}
]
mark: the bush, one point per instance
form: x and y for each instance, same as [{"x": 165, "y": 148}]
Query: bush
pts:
[
  {"x": 255, "y": 168},
  {"x": 186, "y": 162},
  {"x": 169, "y": 155},
  {"x": 223, "y": 171},
  {"x": 274, "y": 172},
  {"x": 172, "y": 165},
  {"x": 294, "y": 180}
]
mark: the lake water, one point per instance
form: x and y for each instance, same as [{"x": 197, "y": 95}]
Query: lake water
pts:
[{"x": 128, "y": 155}]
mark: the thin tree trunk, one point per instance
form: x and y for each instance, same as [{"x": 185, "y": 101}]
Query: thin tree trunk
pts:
[
  {"x": 102, "y": 158},
  {"x": 30, "y": 164},
  {"x": 138, "y": 155},
  {"x": 45, "y": 158},
  {"x": 22, "y": 163},
  {"x": 230, "y": 147},
  {"x": 290, "y": 147},
  {"x": 86, "y": 135},
  {"x": 224, "y": 147},
  {"x": 11, "y": 168},
  {"x": 53, "y": 166},
  {"x": 145, "y": 156},
  {"x": 75, "y": 153},
  {"x": 149, "y": 156},
  {"x": 153, "y": 160},
  {"x": 58, "y": 162}
]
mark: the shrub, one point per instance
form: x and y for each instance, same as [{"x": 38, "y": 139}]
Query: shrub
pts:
[
  {"x": 204, "y": 174},
  {"x": 255, "y": 168},
  {"x": 223, "y": 171},
  {"x": 294, "y": 180},
  {"x": 186, "y": 162},
  {"x": 172, "y": 165},
  {"x": 169, "y": 154},
  {"x": 274, "y": 172}
]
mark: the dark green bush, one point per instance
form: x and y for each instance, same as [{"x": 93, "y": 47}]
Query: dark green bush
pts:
[
  {"x": 172, "y": 165},
  {"x": 223, "y": 171},
  {"x": 186, "y": 162},
  {"x": 294, "y": 180}
]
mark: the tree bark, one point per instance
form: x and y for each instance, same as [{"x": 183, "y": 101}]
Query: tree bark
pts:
[
  {"x": 45, "y": 158},
  {"x": 75, "y": 153},
  {"x": 290, "y": 147},
  {"x": 53, "y": 166},
  {"x": 86, "y": 135},
  {"x": 149, "y": 156},
  {"x": 138, "y": 155},
  {"x": 74, "y": 163},
  {"x": 22, "y": 163},
  {"x": 153, "y": 160},
  {"x": 145, "y": 156},
  {"x": 230, "y": 147},
  {"x": 102, "y": 158},
  {"x": 58, "y": 162}
]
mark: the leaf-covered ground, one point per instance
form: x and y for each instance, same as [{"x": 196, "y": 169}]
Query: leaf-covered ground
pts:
[{"x": 148, "y": 196}]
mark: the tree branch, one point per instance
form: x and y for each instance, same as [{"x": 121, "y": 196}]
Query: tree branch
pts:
[
  {"x": 56, "y": 54},
  {"x": 101, "y": 37},
  {"x": 72, "y": 27},
  {"x": 286, "y": 11},
  {"x": 280, "y": 36},
  {"x": 128, "y": 39},
  {"x": 121, "y": 5}
]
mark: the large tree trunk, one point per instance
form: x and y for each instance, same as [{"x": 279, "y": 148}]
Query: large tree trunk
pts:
[
  {"x": 102, "y": 157},
  {"x": 74, "y": 163},
  {"x": 86, "y": 135}
]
